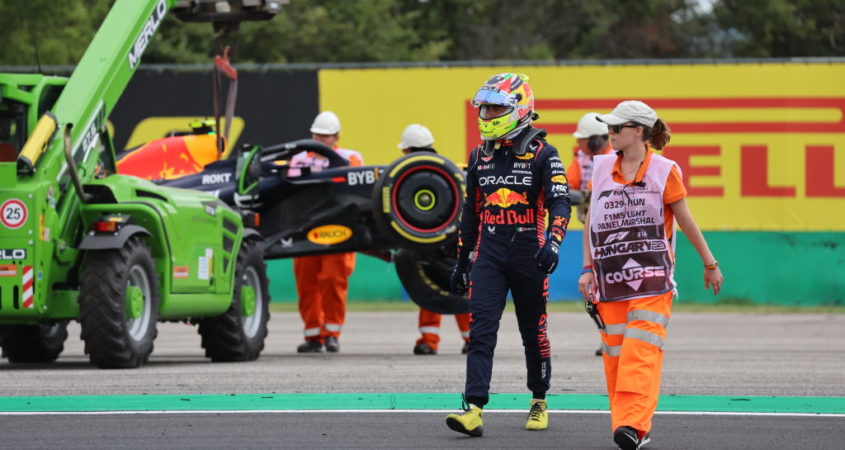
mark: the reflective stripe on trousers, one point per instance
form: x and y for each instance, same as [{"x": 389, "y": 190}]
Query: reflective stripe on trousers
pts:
[
  {"x": 309, "y": 332},
  {"x": 632, "y": 343},
  {"x": 430, "y": 330}
]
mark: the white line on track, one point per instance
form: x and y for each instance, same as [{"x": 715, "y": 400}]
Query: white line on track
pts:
[{"x": 393, "y": 411}]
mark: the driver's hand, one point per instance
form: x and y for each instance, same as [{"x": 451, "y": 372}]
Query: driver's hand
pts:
[
  {"x": 546, "y": 258},
  {"x": 459, "y": 281}
]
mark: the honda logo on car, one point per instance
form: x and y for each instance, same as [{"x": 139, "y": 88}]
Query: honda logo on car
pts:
[
  {"x": 524, "y": 180},
  {"x": 329, "y": 234},
  {"x": 12, "y": 254},
  {"x": 633, "y": 274}
]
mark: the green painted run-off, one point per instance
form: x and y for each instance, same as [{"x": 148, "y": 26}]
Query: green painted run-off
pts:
[{"x": 405, "y": 401}]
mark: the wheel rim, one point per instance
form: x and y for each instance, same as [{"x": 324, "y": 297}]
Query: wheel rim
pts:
[
  {"x": 247, "y": 301},
  {"x": 134, "y": 302},
  {"x": 422, "y": 199},
  {"x": 252, "y": 302},
  {"x": 138, "y": 307}
]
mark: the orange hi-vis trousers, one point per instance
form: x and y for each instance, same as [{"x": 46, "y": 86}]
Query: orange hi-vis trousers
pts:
[
  {"x": 430, "y": 327},
  {"x": 322, "y": 283},
  {"x": 632, "y": 345}
]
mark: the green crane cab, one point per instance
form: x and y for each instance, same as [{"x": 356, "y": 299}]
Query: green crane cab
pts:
[{"x": 115, "y": 252}]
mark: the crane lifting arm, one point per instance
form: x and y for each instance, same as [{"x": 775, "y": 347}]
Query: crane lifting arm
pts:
[{"x": 112, "y": 58}]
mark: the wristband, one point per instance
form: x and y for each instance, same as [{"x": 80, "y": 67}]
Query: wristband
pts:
[
  {"x": 586, "y": 269},
  {"x": 712, "y": 266}
]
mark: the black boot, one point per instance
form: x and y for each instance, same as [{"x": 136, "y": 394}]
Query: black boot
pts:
[
  {"x": 332, "y": 345},
  {"x": 310, "y": 346}
]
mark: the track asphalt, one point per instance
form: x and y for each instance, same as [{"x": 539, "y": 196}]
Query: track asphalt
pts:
[{"x": 764, "y": 381}]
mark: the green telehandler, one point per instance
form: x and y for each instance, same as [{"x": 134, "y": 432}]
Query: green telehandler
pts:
[{"x": 114, "y": 252}]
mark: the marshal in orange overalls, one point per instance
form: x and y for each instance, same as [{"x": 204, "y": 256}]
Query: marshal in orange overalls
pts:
[
  {"x": 430, "y": 331},
  {"x": 322, "y": 281},
  {"x": 635, "y": 329}
]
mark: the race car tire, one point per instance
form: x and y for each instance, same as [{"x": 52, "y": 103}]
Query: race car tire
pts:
[
  {"x": 426, "y": 279},
  {"x": 41, "y": 343},
  {"x": 118, "y": 305},
  {"x": 417, "y": 200},
  {"x": 239, "y": 333}
]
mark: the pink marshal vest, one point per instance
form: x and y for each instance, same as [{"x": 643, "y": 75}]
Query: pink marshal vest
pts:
[
  {"x": 630, "y": 250},
  {"x": 585, "y": 163},
  {"x": 318, "y": 163}
]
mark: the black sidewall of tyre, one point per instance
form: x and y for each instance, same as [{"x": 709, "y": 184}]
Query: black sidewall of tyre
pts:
[
  {"x": 41, "y": 343},
  {"x": 223, "y": 336},
  {"x": 384, "y": 220},
  {"x": 102, "y": 306},
  {"x": 426, "y": 291}
]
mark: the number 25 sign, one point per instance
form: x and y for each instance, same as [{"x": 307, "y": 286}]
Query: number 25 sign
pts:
[{"x": 13, "y": 213}]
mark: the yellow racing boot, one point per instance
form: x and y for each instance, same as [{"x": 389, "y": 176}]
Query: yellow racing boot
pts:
[
  {"x": 468, "y": 423},
  {"x": 538, "y": 417}
]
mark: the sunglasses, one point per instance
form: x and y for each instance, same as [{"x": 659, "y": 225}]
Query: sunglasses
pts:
[{"x": 617, "y": 128}]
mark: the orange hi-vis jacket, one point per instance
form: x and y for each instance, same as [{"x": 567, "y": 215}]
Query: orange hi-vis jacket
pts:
[
  {"x": 630, "y": 242},
  {"x": 322, "y": 281}
]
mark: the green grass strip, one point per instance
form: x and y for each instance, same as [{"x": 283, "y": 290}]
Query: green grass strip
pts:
[{"x": 370, "y": 401}]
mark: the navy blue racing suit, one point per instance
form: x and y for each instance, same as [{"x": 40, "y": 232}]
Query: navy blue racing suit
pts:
[{"x": 503, "y": 223}]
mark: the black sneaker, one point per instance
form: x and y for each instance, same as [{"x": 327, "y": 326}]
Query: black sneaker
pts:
[
  {"x": 310, "y": 346},
  {"x": 332, "y": 345},
  {"x": 598, "y": 352},
  {"x": 628, "y": 439},
  {"x": 424, "y": 349},
  {"x": 466, "y": 348}
]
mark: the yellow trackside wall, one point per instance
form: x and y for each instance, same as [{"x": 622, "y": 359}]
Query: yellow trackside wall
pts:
[{"x": 762, "y": 146}]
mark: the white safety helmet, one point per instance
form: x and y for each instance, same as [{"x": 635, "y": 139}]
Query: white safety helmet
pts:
[
  {"x": 416, "y": 136},
  {"x": 326, "y": 123},
  {"x": 589, "y": 126}
]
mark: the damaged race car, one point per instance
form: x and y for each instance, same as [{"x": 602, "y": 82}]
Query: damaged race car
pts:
[{"x": 406, "y": 212}]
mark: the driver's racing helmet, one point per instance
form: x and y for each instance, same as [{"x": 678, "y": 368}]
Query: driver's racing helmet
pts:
[{"x": 506, "y": 89}]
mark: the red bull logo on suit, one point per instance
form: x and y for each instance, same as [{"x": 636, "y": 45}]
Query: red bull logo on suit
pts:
[{"x": 504, "y": 198}]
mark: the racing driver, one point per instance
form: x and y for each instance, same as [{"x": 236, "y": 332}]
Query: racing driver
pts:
[{"x": 514, "y": 180}]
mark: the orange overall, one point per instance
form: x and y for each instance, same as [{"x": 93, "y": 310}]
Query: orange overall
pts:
[
  {"x": 322, "y": 281},
  {"x": 430, "y": 327},
  {"x": 635, "y": 330}
]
